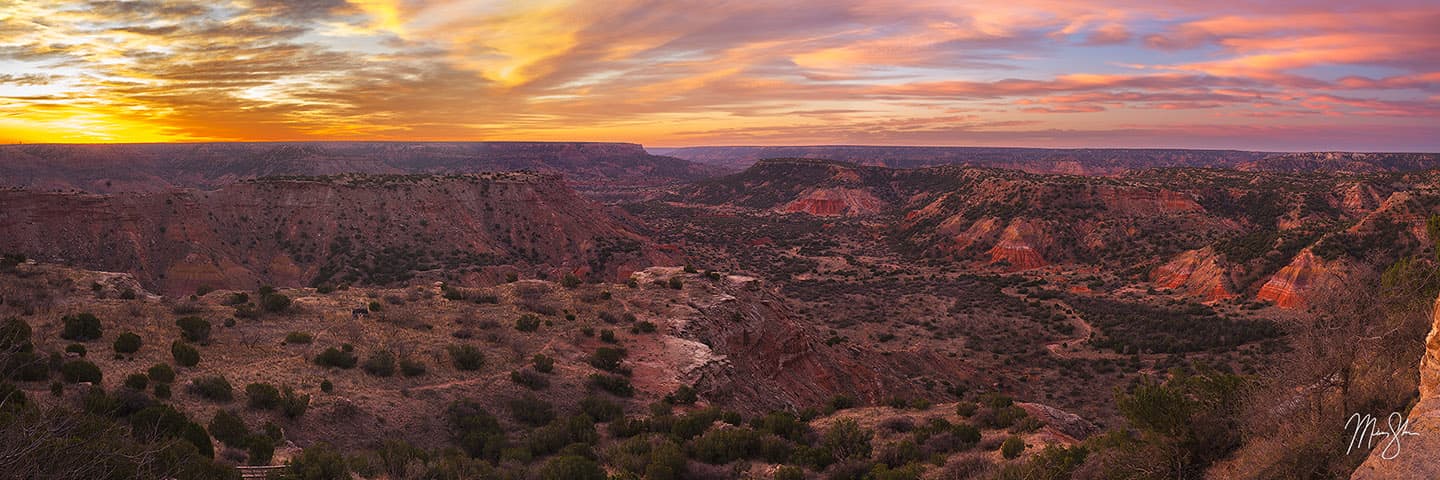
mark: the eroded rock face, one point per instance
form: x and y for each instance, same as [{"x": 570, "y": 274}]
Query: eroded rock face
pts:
[
  {"x": 1289, "y": 287},
  {"x": 1195, "y": 272},
  {"x": 1019, "y": 246},
  {"x": 299, "y": 231},
  {"x": 835, "y": 202},
  {"x": 1418, "y": 454}
]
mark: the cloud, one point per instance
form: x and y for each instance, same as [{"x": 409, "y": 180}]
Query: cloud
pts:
[{"x": 668, "y": 72}]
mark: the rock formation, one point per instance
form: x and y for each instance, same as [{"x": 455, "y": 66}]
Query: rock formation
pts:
[
  {"x": 1195, "y": 272},
  {"x": 1416, "y": 455},
  {"x": 1288, "y": 287}
]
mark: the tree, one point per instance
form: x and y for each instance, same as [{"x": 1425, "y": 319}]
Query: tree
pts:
[
  {"x": 293, "y": 405},
  {"x": 274, "y": 302},
  {"x": 127, "y": 342},
  {"x": 261, "y": 449},
  {"x": 527, "y": 323},
  {"x": 474, "y": 429},
  {"x": 81, "y": 327},
  {"x": 161, "y": 373}
]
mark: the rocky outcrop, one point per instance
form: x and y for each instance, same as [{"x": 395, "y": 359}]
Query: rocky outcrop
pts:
[
  {"x": 351, "y": 229},
  {"x": 835, "y": 202},
  {"x": 1197, "y": 273},
  {"x": 1290, "y": 287},
  {"x": 1085, "y": 161},
  {"x": 1416, "y": 456},
  {"x": 1019, "y": 246},
  {"x": 1141, "y": 201}
]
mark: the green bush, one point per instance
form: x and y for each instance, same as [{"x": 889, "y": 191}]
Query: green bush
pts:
[
  {"x": 725, "y": 445},
  {"x": 685, "y": 395},
  {"x": 527, "y": 323},
  {"x": 475, "y": 430},
  {"x": 76, "y": 371},
  {"x": 847, "y": 441},
  {"x": 298, "y": 338},
  {"x": 292, "y": 404},
  {"x": 467, "y": 357},
  {"x": 529, "y": 379},
  {"x": 194, "y": 329},
  {"x": 213, "y": 387},
  {"x": 137, "y": 381},
  {"x": 1012, "y": 447},
  {"x": 15, "y": 336},
  {"x": 607, "y": 358},
  {"x": 127, "y": 343},
  {"x": 531, "y": 411},
  {"x": 185, "y": 355},
  {"x": 81, "y": 327},
  {"x": 334, "y": 358},
  {"x": 965, "y": 409},
  {"x": 274, "y": 302},
  {"x": 789, "y": 472},
  {"x": 571, "y": 467},
  {"x": 570, "y": 281},
  {"x": 600, "y": 409},
  {"x": 543, "y": 363},
  {"x": 229, "y": 429},
  {"x": 162, "y": 390},
  {"x": 412, "y": 368},
  {"x": 75, "y": 348},
  {"x": 260, "y": 448},
  {"x": 326, "y": 386},
  {"x": 262, "y": 396},
  {"x": 615, "y": 384},
  {"x": 161, "y": 373},
  {"x": 319, "y": 462},
  {"x": 380, "y": 364}
]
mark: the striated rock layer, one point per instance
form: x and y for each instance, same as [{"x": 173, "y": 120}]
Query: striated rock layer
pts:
[
  {"x": 1289, "y": 287},
  {"x": 1417, "y": 455},
  {"x": 1197, "y": 273}
]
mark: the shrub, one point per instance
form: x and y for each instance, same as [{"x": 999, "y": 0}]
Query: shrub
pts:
[
  {"x": 274, "y": 302},
  {"x": 719, "y": 446},
  {"x": 789, "y": 472},
  {"x": 570, "y": 281},
  {"x": 260, "y": 448},
  {"x": 411, "y": 367},
  {"x": 643, "y": 326},
  {"x": 161, "y": 373},
  {"x": 965, "y": 409},
  {"x": 380, "y": 364},
  {"x": 543, "y": 363},
  {"x": 81, "y": 327},
  {"x": 213, "y": 387},
  {"x": 531, "y": 411},
  {"x": 474, "y": 429},
  {"x": 527, "y": 323},
  {"x": 127, "y": 343},
  {"x": 467, "y": 357},
  {"x": 319, "y": 462},
  {"x": 137, "y": 381},
  {"x": 607, "y": 358},
  {"x": 292, "y": 404},
  {"x": 1012, "y": 447},
  {"x": 529, "y": 379},
  {"x": 571, "y": 467},
  {"x": 847, "y": 441},
  {"x": 262, "y": 396},
  {"x": 615, "y": 384},
  {"x": 300, "y": 338},
  {"x": 334, "y": 358},
  {"x": 685, "y": 395},
  {"x": 600, "y": 409},
  {"x": 185, "y": 355},
  {"x": 15, "y": 336},
  {"x": 326, "y": 386},
  {"x": 676, "y": 283},
  {"x": 194, "y": 329},
  {"x": 162, "y": 390},
  {"x": 75, "y": 348},
  {"x": 237, "y": 298},
  {"x": 76, "y": 371},
  {"x": 57, "y": 389},
  {"x": 229, "y": 429}
]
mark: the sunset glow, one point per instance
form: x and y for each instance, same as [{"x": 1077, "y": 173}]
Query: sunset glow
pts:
[{"x": 1284, "y": 75}]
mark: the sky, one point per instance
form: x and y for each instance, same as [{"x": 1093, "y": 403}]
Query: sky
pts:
[{"x": 1260, "y": 75}]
